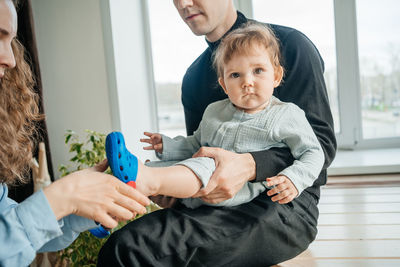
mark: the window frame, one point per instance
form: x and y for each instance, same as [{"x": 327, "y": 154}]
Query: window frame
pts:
[{"x": 348, "y": 78}]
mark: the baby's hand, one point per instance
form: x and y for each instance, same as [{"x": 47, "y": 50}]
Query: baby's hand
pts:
[
  {"x": 284, "y": 189},
  {"x": 155, "y": 142}
]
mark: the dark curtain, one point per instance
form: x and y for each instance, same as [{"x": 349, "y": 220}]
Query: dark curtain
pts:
[{"x": 26, "y": 35}]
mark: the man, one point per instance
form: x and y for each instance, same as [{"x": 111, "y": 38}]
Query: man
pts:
[{"x": 259, "y": 233}]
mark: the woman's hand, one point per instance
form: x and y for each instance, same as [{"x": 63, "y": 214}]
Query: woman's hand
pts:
[
  {"x": 232, "y": 172},
  {"x": 155, "y": 141},
  {"x": 95, "y": 195}
]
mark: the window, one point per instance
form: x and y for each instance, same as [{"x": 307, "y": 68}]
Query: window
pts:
[
  {"x": 318, "y": 26},
  {"x": 379, "y": 61},
  {"x": 170, "y": 62}
]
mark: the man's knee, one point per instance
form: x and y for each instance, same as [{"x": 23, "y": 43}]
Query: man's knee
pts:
[
  {"x": 111, "y": 249},
  {"x": 121, "y": 248}
]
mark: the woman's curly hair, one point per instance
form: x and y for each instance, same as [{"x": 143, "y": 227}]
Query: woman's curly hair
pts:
[{"x": 19, "y": 114}]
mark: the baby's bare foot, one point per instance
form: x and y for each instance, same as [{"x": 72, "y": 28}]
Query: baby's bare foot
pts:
[{"x": 146, "y": 182}]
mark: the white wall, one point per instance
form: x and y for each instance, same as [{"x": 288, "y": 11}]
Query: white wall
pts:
[
  {"x": 133, "y": 72},
  {"x": 81, "y": 89}
]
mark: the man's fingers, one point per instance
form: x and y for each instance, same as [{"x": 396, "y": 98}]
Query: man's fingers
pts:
[
  {"x": 209, "y": 152},
  {"x": 200, "y": 193},
  {"x": 205, "y": 191},
  {"x": 213, "y": 200},
  {"x": 216, "y": 196},
  {"x": 148, "y": 148}
]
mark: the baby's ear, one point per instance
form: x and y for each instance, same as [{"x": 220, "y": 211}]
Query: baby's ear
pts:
[
  {"x": 278, "y": 76},
  {"x": 222, "y": 83}
]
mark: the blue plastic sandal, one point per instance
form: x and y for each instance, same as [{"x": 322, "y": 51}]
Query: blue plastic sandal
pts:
[
  {"x": 123, "y": 165},
  {"x": 100, "y": 232}
]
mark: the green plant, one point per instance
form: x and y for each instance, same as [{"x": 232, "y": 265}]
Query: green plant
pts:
[
  {"x": 85, "y": 153},
  {"x": 84, "y": 250}
]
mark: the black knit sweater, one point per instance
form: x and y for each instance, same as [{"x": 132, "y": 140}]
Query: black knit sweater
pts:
[{"x": 303, "y": 84}]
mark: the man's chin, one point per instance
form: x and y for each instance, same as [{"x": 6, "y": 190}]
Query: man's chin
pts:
[{"x": 197, "y": 32}]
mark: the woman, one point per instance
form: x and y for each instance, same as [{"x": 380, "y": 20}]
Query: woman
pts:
[{"x": 53, "y": 217}]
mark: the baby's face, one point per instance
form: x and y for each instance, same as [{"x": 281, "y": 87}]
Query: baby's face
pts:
[{"x": 249, "y": 80}]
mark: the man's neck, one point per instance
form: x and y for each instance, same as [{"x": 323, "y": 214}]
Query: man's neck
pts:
[{"x": 224, "y": 27}]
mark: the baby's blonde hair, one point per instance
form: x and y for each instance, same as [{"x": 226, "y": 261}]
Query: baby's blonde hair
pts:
[{"x": 242, "y": 40}]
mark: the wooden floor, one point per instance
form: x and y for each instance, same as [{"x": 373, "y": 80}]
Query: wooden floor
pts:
[{"x": 359, "y": 224}]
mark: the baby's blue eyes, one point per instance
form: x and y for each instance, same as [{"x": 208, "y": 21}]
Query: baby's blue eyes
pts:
[
  {"x": 255, "y": 71},
  {"x": 258, "y": 70}
]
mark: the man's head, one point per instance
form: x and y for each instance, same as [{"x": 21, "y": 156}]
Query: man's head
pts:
[{"x": 212, "y": 18}]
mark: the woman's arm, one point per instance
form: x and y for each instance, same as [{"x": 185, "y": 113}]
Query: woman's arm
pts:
[
  {"x": 42, "y": 221},
  {"x": 24, "y": 228}
]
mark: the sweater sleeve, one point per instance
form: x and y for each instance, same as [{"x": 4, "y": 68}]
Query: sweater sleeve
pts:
[
  {"x": 179, "y": 147},
  {"x": 31, "y": 226},
  {"x": 293, "y": 129},
  {"x": 303, "y": 85}
]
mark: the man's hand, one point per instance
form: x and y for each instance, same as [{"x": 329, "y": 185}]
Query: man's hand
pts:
[
  {"x": 284, "y": 189},
  {"x": 232, "y": 172},
  {"x": 155, "y": 141}
]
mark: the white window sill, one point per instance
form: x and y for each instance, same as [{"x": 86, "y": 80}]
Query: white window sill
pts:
[{"x": 374, "y": 161}]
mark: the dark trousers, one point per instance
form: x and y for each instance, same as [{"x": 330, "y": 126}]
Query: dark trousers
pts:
[{"x": 258, "y": 233}]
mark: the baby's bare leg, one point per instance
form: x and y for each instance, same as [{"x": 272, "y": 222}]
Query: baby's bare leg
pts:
[{"x": 175, "y": 181}]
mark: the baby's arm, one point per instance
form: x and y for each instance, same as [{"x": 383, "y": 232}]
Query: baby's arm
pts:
[{"x": 293, "y": 129}]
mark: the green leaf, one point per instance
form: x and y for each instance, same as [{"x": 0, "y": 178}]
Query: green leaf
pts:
[{"x": 67, "y": 138}]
